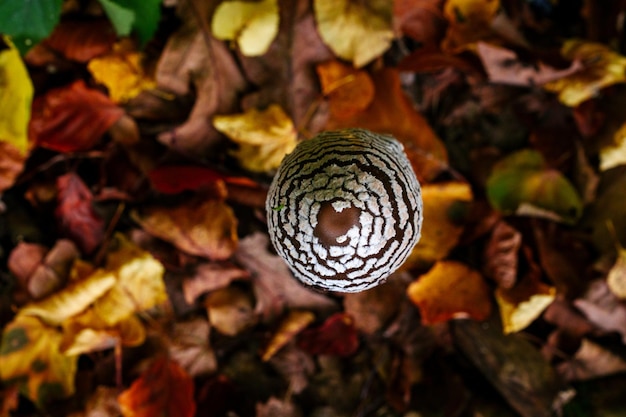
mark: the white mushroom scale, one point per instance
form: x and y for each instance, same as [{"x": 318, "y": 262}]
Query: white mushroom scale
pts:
[{"x": 345, "y": 210}]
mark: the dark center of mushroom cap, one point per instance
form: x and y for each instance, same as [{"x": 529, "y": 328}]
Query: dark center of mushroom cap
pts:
[{"x": 333, "y": 223}]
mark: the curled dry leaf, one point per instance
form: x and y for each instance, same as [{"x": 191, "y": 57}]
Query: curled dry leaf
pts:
[
  {"x": 601, "y": 68},
  {"x": 264, "y": 137},
  {"x": 76, "y": 214},
  {"x": 72, "y": 118},
  {"x": 348, "y": 90},
  {"x": 206, "y": 228},
  {"x": 337, "y": 336},
  {"x": 190, "y": 347},
  {"x": 164, "y": 389},
  {"x": 450, "y": 290},
  {"x": 87, "y": 333},
  {"x": 356, "y": 31},
  {"x": 290, "y": 326},
  {"x": 253, "y": 25},
  {"x": 230, "y": 310},
  {"x": 209, "y": 277},
  {"x": 501, "y": 254}
]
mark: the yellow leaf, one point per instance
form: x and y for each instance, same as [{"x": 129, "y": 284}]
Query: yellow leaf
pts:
[
  {"x": 16, "y": 94},
  {"x": 469, "y": 21},
  {"x": 441, "y": 230},
  {"x": 72, "y": 300},
  {"x": 614, "y": 155},
  {"x": 264, "y": 137},
  {"x": 30, "y": 353},
  {"x": 357, "y": 31},
  {"x": 88, "y": 333},
  {"x": 522, "y": 304},
  {"x": 254, "y": 25},
  {"x": 230, "y": 310},
  {"x": 602, "y": 68},
  {"x": 291, "y": 325},
  {"x": 122, "y": 73},
  {"x": 450, "y": 290},
  {"x": 616, "y": 279}
]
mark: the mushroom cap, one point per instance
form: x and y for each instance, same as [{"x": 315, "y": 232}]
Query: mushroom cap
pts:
[{"x": 345, "y": 209}]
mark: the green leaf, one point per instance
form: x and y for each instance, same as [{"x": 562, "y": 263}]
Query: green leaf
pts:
[
  {"x": 28, "y": 22},
  {"x": 522, "y": 183},
  {"x": 142, "y": 16}
]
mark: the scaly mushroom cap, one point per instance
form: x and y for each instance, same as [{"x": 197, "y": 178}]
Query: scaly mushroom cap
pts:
[{"x": 345, "y": 210}]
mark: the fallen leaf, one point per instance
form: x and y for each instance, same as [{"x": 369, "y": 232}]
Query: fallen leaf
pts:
[
  {"x": 209, "y": 277},
  {"x": 523, "y": 183},
  {"x": 615, "y": 154},
  {"x": 174, "y": 179},
  {"x": 76, "y": 214},
  {"x": 391, "y": 112},
  {"x": 469, "y": 21},
  {"x": 80, "y": 40},
  {"x": 591, "y": 361},
  {"x": 277, "y": 408},
  {"x": 9, "y": 400},
  {"x": 356, "y": 31},
  {"x": 253, "y": 26},
  {"x": 421, "y": 20},
  {"x": 122, "y": 73},
  {"x": 164, "y": 389},
  {"x": 30, "y": 356},
  {"x": 450, "y": 290},
  {"x": 102, "y": 403},
  {"x": 290, "y": 326},
  {"x": 206, "y": 228},
  {"x": 348, "y": 90},
  {"x": 88, "y": 333},
  {"x": 616, "y": 279},
  {"x": 264, "y": 137},
  {"x": 230, "y": 310},
  {"x": 445, "y": 206},
  {"x": 337, "y": 336},
  {"x": 190, "y": 347},
  {"x": 275, "y": 287},
  {"x": 295, "y": 366},
  {"x": 603, "y": 308},
  {"x": 601, "y": 68},
  {"x": 72, "y": 118},
  {"x": 501, "y": 255},
  {"x": 11, "y": 165}
]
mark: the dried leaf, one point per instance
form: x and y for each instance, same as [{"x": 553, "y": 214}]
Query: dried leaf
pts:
[
  {"x": 76, "y": 214},
  {"x": 81, "y": 40},
  {"x": 230, "y": 310},
  {"x": 602, "y": 68},
  {"x": 591, "y": 361},
  {"x": 523, "y": 303},
  {"x": 30, "y": 356},
  {"x": 102, "y": 403},
  {"x": 264, "y": 137},
  {"x": 11, "y": 164},
  {"x": 356, "y": 31},
  {"x": 469, "y": 21},
  {"x": 615, "y": 154},
  {"x": 174, "y": 179},
  {"x": 190, "y": 347},
  {"x": 348, "y": 90},
  {"x": 253, "y": 25},
  {"x": 501, "y": 254},
  {"x": 421, "y": 20},
  {"x": 72, "y": 118},
  {"x": 290, "y": 326},
  {"x": 209, "y": 277},
  {"x": 277, "y": 408},
  {"x": 450, "y": 290},
  {"x": 295, "y": 366},
  {"x": 87, "y": 333},
  {"x": 603, "y": 308},
  {"x": 164, "y": 389},
  {"x": 122, "y": 73},
  {"x": 205, "y": 228},
  {"x": 616, "y": 279},
  {"x": 336, "y": 336},
  {"x": 445, "y": 205}
]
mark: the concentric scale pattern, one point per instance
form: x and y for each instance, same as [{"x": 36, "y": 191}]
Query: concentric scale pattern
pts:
[{"x": 345, "y": 210}]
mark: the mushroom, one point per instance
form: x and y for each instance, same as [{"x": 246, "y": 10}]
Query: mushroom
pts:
[{"x": 345, "y": 209}]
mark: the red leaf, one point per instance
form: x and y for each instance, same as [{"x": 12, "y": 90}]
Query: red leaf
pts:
[
  {"x": 177, "y": 178},
  {"x": 72, "y": 118},
  {"x": 164, "y": 389},
  {"x": 76, "y": 214},
  {"x": 337, "y": 336},
  {"x": 82, "y": 40}
]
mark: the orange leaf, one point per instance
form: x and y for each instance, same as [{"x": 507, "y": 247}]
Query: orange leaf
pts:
[
  {"x": 337, "y": 336},
  {"x": 72, "y": 118},
  {"x": 82, "y": 40},
  {"x": 348, "y": 90},
  {"x": 164, "y": 389},
  {"x": 289, "y": 327},
  {"x": 392, "y": 112},
  {"x": 76, "y": 214},
  {"x": 469, "y": 21},
  {"x": 11, "y": 164},
  {"x": 450, "y": 290}
]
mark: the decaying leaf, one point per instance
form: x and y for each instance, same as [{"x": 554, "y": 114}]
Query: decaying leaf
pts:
[
  {"x": 164, "y": 389},
  {"x": 421, "y": 20},
  {"x": 253, "y": 25},
  {"x": 190, "y": 347},
  {"x": 336, "y": 336},
  {"x": 205, "y": 228},
  {"x": 348, "y": 90},
  {"x": 210, "y": 276},
  {"x": 523, "y": 183},
  {"x": 501, "y": 254},
  {"x": 230, "y": 310},
  {"x": 264, "y": 137},
  {"x": 122, "y": 73},
  {"x": 72, "y": 118},
  {"x": 450, "y": 290},
  {"x": 290, "y": 326},
  {"x": 602, "y": 68},
  {"x": 469, "y": 21},
  {"x": 445, "y": 206},
  {"x": 30, "y": 355},
  {"x": 356, "y": 31}
]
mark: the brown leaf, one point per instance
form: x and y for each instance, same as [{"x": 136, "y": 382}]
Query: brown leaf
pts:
[
  {"x": 190, "y": 347},
  {"x": 210, "y": 276},
  {"x": 277, "y": 408},
  {"x": 230, "y": 310},
  {"x": 295, "y": 366},
  {"x": 290, "y": 326},
  {"x": 164, "y": 389},
  {"x": 82, "y": 40},
  {"x": 336, "y": 336},
  {"x": 591, "y": 361},
  {"x": 206, "y": 228},
  {"x": 274, "y": 286},
  {"x": 603, "y": 308},
  {"x": 76, "y": 215},
  {"x": 501, "y": 254},
  {"x": 72, "y": 118},
  {"x": 348, "y": 90},
  {"x": 421, "y": 20}
]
